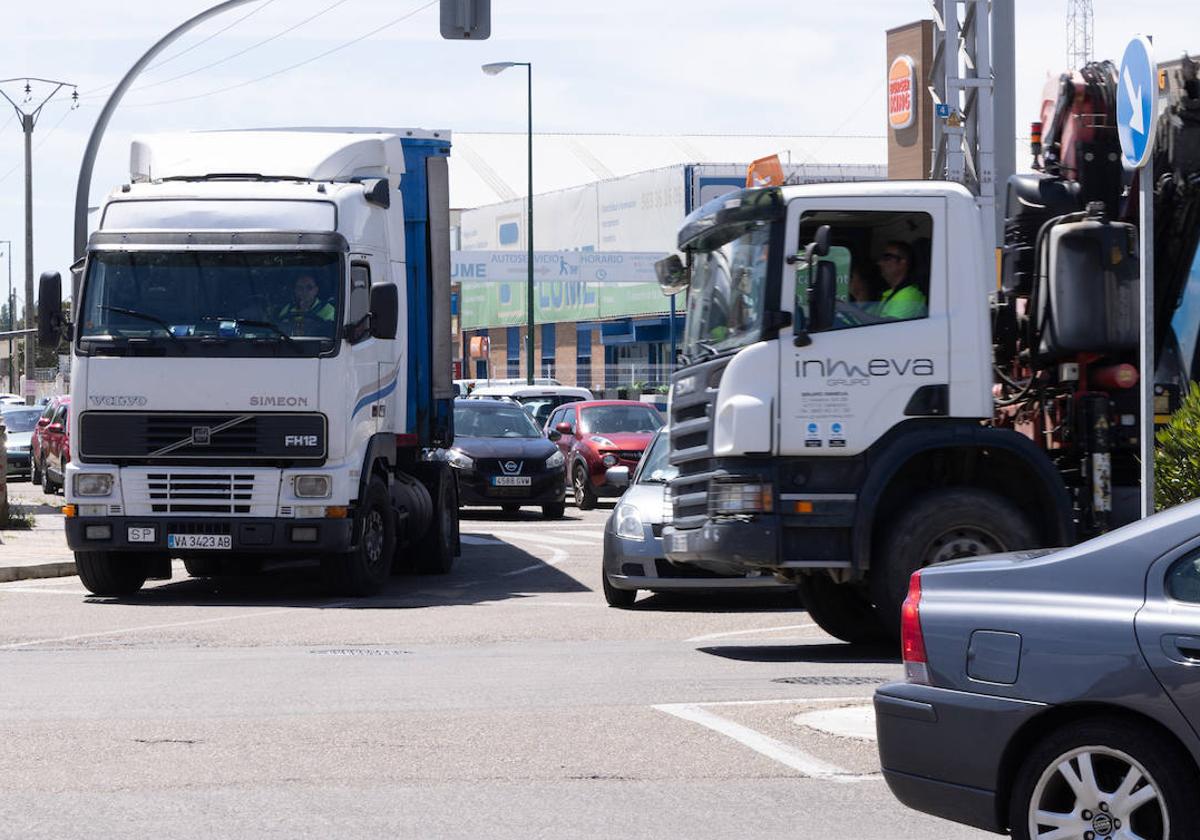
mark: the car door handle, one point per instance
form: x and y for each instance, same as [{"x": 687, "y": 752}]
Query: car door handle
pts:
[{"x": 1183, "y": 649}]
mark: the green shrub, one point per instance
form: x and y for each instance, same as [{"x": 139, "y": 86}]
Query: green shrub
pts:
[{"x": 1177, "y": 455}]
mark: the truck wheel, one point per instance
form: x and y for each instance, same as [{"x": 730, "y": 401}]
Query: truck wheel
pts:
[
  {"x": 842, "y": 610},
  {"x": 619, "y": 598},
  {"x": 110, "y": 573},
  {"x": 942, "y": 525},
  {"x": 554, "y": 510},
  {"x": 585, "y": 497},
  {"x": 364, "y": 570},
  {"x": 1105, "y": 777},
  {"x": 435, "y": 552},
  {"x": 202, "y": 566}
]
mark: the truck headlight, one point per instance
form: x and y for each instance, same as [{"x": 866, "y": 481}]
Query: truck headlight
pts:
[
  {"x": 459, "y": 460},
  {"x": 737, "y": 499},
  {"x": 93, "y": 484},
  {"x": 629, "y": 523},
  {"x": 555, "y": 460},
  {"x": 312, "y": 486}
]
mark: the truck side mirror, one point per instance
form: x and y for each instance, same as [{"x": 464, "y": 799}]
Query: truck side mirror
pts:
[
  {"x": 385, "y": 310},
  {"x": 50, "y": 317},
  {"x": 672, "y": 275},
  {"x": 821, "y": 242},
  {"x": 822, "y": 297}
]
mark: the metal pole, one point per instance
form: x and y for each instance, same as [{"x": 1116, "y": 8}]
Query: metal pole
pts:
[
  {"x": 12, "y": 370},
  {"x": 27, "y": 121},
  {"x": 1146, "y": 362},
  {"x": 529, "y": 232},
  {"x": 671, "y": 360},
  {"x": 83, "y": 188}
]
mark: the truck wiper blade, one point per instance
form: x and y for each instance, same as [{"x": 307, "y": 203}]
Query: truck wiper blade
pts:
[
  {"x": 145, "y": 316},
  {"x": 250, "y": 322}
]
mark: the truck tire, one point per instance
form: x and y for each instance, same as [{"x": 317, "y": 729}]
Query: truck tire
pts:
[
  {"x": 365, "y": 569},
  {"x": 110, "y": 573},
  {"x": 937, "y": 526},
  {"x": 202, "y": 566},
  {"x": 843, "y": 610},
  {"x": 435, "y": 552},
  {"x": 585, "y": 496}
]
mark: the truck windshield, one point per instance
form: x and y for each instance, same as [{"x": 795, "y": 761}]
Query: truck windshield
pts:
[
  {"x": 726, "y": 300},
  {"x": 208, "y": 303}
]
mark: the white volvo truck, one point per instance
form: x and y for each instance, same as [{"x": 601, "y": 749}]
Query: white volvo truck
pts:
[
  {"x": 260, "y": 346},
  {"x": 832, "y": 435}
]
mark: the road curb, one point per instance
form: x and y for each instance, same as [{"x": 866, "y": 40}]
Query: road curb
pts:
[{"x": 44, "y": 570}]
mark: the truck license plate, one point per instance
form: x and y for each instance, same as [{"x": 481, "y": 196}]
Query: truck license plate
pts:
[
  {"x": 200, "y": 541},
  {"x": 511, "y": 481},
  {"x": 141, "y": 535},
  {"x": 679, "y": 542}
]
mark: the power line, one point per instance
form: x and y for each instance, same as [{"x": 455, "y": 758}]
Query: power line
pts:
[
  {"x": 100, "y": 91},
  {"x": 291, "y": 67},
  {"x": 243, "y": 51}
]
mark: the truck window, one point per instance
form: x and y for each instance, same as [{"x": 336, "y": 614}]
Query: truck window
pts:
[
  {"x": 1185, "y": 323},
  {"x": 882, "y": 263},
  {"x": 360, "y": 291}
]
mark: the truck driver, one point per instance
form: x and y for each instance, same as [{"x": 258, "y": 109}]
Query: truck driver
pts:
[
  {"x": 903, "y": 298},
  {"x": 306, "y": 314}
]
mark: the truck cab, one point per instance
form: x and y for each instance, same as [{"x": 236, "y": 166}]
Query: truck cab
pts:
[{"x": 261, "y": 359}]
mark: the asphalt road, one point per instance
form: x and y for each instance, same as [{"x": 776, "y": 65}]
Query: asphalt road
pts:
[{"x": 503, "y": 700}]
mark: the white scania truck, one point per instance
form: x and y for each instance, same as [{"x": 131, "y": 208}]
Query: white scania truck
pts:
[
  {"x": 260, "y": 346},
  {"x": 832, "y": 438}
]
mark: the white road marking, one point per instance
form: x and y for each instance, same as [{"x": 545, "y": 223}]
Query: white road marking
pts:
[
  {"x": 546, "y": 539},
  {"x": 785, "y": 754},
  {"x": 795, "y": 701},
  {"x": 856, "y": 722},
  {"x": 145, "y": 627},
  {"x": 710, "y": 636}
]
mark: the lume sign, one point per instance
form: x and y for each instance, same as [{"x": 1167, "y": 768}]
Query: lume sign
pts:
[{"x": 902, "y": 83}]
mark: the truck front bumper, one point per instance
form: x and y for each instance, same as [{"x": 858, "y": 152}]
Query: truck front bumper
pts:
[
  {"x": 247, "y": 535},
  {"x": 726, "y": 546}
]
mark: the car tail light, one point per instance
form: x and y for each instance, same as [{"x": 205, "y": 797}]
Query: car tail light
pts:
[{"x": 912, "y": 639}]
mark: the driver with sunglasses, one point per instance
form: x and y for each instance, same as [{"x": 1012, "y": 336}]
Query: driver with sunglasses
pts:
[{"x": 903, "y": 299}]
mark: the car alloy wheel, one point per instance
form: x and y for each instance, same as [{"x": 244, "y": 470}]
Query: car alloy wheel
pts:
[{"x": 1098, "y": 792}]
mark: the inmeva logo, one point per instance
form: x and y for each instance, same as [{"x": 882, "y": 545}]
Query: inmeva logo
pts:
[
  {"x": 284, "y": 401},
  {"x": 837, "y": 368}
]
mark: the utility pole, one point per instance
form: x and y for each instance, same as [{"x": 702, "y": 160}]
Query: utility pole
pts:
[
  {"x": 1080, "y": 33},
  {"x": 29, "y": 113},
  {"x": 11, "y": 320}
]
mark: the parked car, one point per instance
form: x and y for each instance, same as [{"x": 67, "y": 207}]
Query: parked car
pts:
[
  {"x": 1055, "y": 693},
  {"x": 502, "y": 459},
  {"x": 55, "y": 446},
  {"x": 37, "y": 449},
  {"x": 598, "y": 435},
  {"x": 633, "y": 548},
  {"x": 11, "y": 399},
  {"x": 19, "y": 422},
  {"x": 538, "y": 400}
]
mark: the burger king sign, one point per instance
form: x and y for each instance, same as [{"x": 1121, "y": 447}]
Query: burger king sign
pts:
[{"x": 902, "y": 84}]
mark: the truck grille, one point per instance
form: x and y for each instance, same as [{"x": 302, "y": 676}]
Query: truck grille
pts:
[
  {"x": 691, "y": 441},
  {"x": 195, "y": 492},
  {"x": 127, "y": 437}
]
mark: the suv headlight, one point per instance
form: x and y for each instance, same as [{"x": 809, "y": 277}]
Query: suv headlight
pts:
[
  {"x": 555, "y": 460},
  {"x": 609, "y": 460},
  {"x": 312, "y": 486},
  {"x": 93, "y": 484},
  {"x": 459, "y": 460},
  {"x": 629, "y": 523},
  {"x": 737, "y": 499}
]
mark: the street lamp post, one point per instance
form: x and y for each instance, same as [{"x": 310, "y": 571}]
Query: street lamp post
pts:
[
  {"x": 492, "y": 70},
  {"x": 29, "y": 118}
]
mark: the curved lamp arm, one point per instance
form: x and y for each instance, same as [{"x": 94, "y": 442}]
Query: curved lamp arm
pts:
[{"x": 83, "y": 188}]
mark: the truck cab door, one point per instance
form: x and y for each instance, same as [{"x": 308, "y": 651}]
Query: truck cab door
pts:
[
  {"x": 369, "y": 355},
  {"x": 884, "y": 358}
]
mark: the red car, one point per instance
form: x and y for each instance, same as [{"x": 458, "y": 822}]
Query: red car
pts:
[
  {"x": 37, "y": 445},
  {"x": 598, "y": 435},
  {"x": 52, "y": 444}
]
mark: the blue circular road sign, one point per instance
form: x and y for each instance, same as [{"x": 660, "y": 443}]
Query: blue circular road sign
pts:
[{"x": 1137, "y": 103}]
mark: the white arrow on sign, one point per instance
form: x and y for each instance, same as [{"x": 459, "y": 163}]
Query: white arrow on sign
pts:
[{"x": 1135, "y": 99}]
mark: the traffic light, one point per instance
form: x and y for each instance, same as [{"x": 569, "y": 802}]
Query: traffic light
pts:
[{"x": 466, "y": 19}]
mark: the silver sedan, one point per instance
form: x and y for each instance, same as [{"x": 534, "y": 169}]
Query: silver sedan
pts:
[{"x": 633, "y": 546}]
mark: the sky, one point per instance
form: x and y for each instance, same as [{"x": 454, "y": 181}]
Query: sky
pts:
[{"x": 648, "y": 67}]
